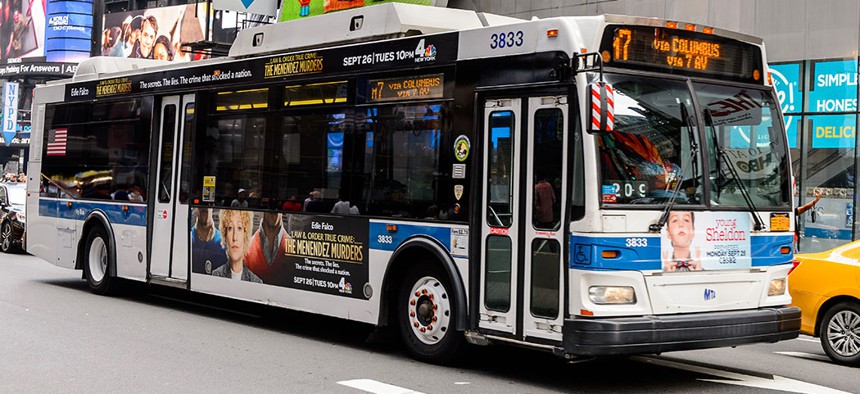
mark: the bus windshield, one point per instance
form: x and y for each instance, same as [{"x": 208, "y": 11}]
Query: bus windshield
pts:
[
  {"x": 652, "y": 146},
  {"x": 743, "y": 122}
]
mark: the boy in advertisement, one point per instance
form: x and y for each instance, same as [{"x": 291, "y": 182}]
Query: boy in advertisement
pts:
[{"x": 680, "y": 230}]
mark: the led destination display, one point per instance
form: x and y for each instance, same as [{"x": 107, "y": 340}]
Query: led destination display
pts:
[
  {"x": 681, "y": 50},
  {"x": 406, "y": 88}
]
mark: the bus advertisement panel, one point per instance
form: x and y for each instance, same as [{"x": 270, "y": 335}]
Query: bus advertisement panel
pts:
[{"x": 321, "y": 254}]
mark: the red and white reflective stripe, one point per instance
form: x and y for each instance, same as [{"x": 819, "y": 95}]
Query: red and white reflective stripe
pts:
[{"x": 595, "y": 106}]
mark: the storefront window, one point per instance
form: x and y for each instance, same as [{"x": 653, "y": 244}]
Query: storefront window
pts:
[
  {"x": 829, "y": 167},
  {"x": 818, "y": 99}
]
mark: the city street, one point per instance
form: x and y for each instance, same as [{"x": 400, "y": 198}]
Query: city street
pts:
[{"x": 57, "y": 337}]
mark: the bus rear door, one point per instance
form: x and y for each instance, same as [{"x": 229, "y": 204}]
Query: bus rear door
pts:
[
  {"x": 522, "y": 232},
  {"x": 170, "y": 232}
]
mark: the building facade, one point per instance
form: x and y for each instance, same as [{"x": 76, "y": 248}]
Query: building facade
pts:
[{"x": 812, "y": 47}]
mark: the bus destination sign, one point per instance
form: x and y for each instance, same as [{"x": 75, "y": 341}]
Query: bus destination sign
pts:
[
  {"x": 680, "y": 50},
  {"x": 418, "y": 87}
]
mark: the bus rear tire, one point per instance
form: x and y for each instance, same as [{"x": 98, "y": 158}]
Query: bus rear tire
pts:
[
  {"x": 426, "y": 314},
  {"x": 98, "y": 261}
]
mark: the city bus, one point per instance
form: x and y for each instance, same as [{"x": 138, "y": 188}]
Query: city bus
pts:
[{"x": 588, "y": 186}]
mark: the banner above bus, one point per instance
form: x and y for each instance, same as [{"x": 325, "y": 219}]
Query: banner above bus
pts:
[
  {"x": 682, "y": 52},
  {"x": 408, "y": 53}
]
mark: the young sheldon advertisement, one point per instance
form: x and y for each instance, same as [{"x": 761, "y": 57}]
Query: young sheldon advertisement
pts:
[
  {"x": 696, "y": 241},
  {"x": 320, "y": 254}
]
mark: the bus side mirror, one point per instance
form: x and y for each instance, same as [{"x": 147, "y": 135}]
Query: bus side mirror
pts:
[{"x": 602, "y": 109}]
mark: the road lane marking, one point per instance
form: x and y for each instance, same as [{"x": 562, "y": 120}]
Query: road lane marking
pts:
[
  {"x": 810, "y": 356},
  {"x": 807, "y": 339},
  {"x": 739, "y": 379},
  {"x": 373, "y": 386}
]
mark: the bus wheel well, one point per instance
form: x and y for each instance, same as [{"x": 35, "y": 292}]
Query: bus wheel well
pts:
[
  {"x": 826, "y": 307},
  {"x": 403, "y": 262}
]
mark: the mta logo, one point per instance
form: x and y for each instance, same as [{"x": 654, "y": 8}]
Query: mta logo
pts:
[{"x": 710, "y": 294}]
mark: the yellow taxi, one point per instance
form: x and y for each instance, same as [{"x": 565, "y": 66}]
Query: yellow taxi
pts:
[{"x": 826, "y": 287}]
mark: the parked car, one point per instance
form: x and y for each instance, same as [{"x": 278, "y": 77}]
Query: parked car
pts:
[
  {"x": 13, "y": 198},
  {"x": 826, "y": 287}
]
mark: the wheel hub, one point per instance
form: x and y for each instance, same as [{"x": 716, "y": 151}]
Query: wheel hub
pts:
[
  {"x": 429, "y": 310},
  {"x": 844, "y": 333}
]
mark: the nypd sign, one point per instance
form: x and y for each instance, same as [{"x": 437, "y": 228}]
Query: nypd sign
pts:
[{"x": 10, "y": 111}]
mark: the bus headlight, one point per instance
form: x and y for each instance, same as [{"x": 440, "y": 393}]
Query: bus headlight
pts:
[
  {"x": 612, "y": 295},
  {"x": 777, "y": 287}
]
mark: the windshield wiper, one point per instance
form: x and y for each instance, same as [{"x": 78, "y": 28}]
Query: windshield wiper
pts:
[
  {"x": 694, "y": 151},
  {"x": 721, "y": 156}
]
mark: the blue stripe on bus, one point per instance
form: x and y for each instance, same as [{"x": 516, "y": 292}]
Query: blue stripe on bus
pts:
[
  {"x": 79, "y": 210},
  {"x": 586, "y": 252},
  {"x": 379, "y": 233}
]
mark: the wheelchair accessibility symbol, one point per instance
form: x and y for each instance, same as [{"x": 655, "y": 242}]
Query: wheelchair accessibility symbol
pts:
[{"x": 582, "y": 254}]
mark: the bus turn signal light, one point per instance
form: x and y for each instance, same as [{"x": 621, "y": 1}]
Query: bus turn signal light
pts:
[
  {"x": 552, "y": 33},
  {"x": 785, "y": 250},
  {"x": 672, "y": 25},
  {"x": 391, "y": 228},
  {"x": 690, "y": 27},
  {"x": 708, "y": 30},
  {"x": 609, "y": 254}
]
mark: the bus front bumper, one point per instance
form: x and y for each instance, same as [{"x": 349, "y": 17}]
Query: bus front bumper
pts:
[{"x": 663, "y": 333}]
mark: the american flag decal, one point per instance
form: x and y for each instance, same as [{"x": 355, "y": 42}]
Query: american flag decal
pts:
[{"x": 57, "y": 141}]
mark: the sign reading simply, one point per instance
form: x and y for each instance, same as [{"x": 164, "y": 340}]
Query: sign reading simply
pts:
[{"x": 834, "y": 86}]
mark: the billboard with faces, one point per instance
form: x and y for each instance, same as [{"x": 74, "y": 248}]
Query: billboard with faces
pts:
[{"x": 155, "y": 33}]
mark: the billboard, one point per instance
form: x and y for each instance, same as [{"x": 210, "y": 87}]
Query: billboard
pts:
[
  {"x": 68, "y": 30},
  {"x": 22, "y": 29},
  {"x": 155, "y": 33},
  {"x": 260, "y": 7},
  {"x": 297, "y": 9}
]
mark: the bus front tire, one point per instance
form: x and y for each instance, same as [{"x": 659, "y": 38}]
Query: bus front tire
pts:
[
  {"x": 840, "y": 333},
  {"x": 97, "y": 260},
  {"x": 426, "y": 316}
]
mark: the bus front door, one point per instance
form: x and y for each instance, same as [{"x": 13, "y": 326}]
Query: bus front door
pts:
[
  {"x": 169, "y": 238},
  {"x": 522, "y": 234}
]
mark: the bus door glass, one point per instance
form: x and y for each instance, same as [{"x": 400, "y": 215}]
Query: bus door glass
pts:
[
  {"x": 541, "y": 222},
  {"x": 522, "y": 234},
  {"x": 168, "y": 254},
  {"x": 499, "y": 227}
]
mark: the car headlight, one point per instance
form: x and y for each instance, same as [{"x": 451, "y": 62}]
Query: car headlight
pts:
[
  {"x": 612, "y": 295},
  {"x": 777, "y": 287}
]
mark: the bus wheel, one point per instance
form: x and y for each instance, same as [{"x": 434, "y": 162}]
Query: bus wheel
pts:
[
  {"x": 426, "y": 316},
  {"x": 840, "y": 333},
  {"x": 97, "y": 259}
]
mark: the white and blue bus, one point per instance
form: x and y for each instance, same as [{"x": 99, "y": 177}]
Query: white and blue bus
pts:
[{"x": 590, "y": 186}]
